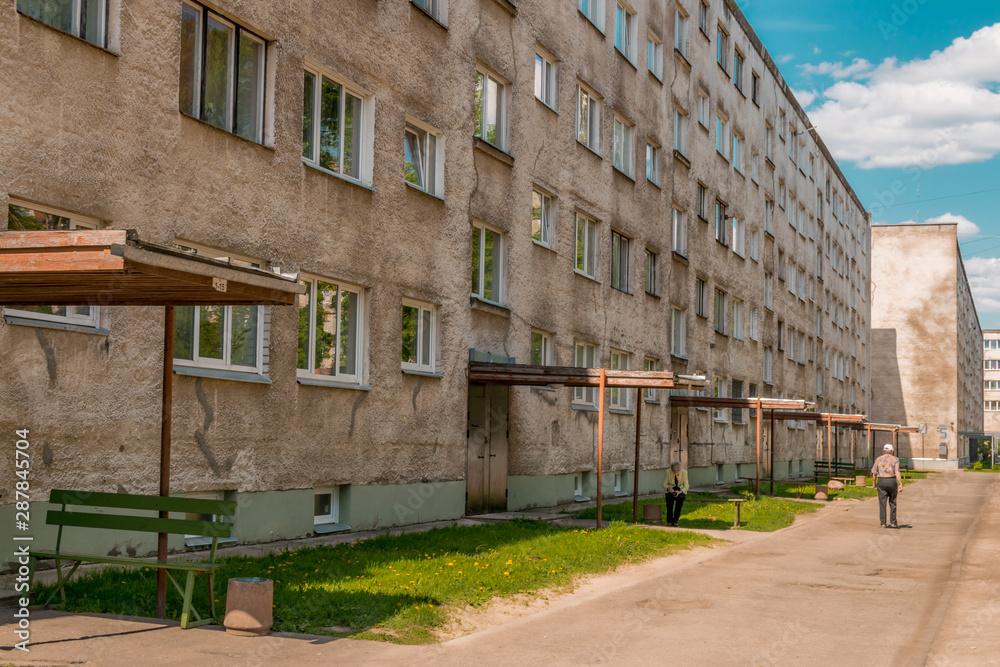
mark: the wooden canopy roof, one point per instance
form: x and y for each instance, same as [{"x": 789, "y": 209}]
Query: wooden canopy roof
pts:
[
  {"x": 570, "y": 376},
  {"x": 113, "y": 267}
]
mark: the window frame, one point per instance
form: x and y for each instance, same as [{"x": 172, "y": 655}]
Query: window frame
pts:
[
  {"x": 737, "y": 318},
  {"x": 649, "y": 395},
  {"x": 546, "y": 348},
  {"x": 622, "y": 147},
  {"x": 591, "y": 247},
  {"x": 651, "y": 272},
  {"x": 654, "y": 55},
  {"x": 502, "y": 85},
  {"x": 480, "y": 276},
  {"x": 626, "y": 21},
  {"x": 78, "y": 21},
  {"x": 678, "y": 231},
  {"x": 621, "y": 262},
  {"x": 546, "y": 221},
  {"x": 432, "y": 347},
  {"x": 722, "y": 48},
  {"x": 722, "y": 134},
  {"x": 678, "y": 333},
  {"x": 432, "y": 157},
  {"x": 584, "y": 396},
  {"x": 593, "y": 11},
  {"x": 621, "y": 397},
  {"x": 361, "y": 333},
  {"x": 653, "y": 162},
  {"x": 739, "y": 62},
  {"x": 333, "y": 516},
  {"x": 546, "y": 87},
  {"x": 436, "y": 9},
  {"x": 366, "y": 132},
  {"x": 719, "y": 307},
  {"x": 700, "y": 297},
  {"x": 680, "y": 131},
  {"x": 589, "y": 136}
]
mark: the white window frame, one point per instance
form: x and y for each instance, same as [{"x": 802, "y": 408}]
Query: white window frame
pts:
[
  {"x": 651, "y": 272},
  {"x": 769, "y": 215},
  {"x": 623, "y": 139},
  {"x": 93, "y": 317},
  {"x": 704, "y": 108},
  {"x": 360, "y": 334},
  {"x": 366, "y": 131},
  {"x": 333, "y": 516},
  {"x": 704, "y": 17},
  {"x": 768, "y": 365},
  {"x": 722, "y": 48},
  {"x": 648, "y": 393},
  {"x": 739, "y": 238},
  {"x": 722, "y": 135},
  {"x": 489, "y": 76},
  {"x": 437, "y": 9},
  {"x": 78, "y": 21},
  {"x": 594, "y": 11},
  {"x": 755, "y": 245},
  {"x": 500, "y": 258},
  {"x": 626, "y": 20},
  {"x": 620, "y": 396},
  {"x": 546, "y": 348},
  {"x": 226, "y": 364},
  {"x": 654, "y": 55},
  {"x": 754, "y": 166},
  {"x": 739, "y": 63},
  {"x": 769, "y": 291},
  {"x": 430, "y": 159},
  {"x": 680, "y": 131},
  {"x": 652, "y": 162},
  {"x": 546, "y": 78},
  {"x": 737, "y": 156},
  {"x": 584, "y": 356},
  {"x": 621, "y": 262},
  {"x": 719, "y": 309},
  {"x": 591, "y": 246},
  {"x": 679, "y": 231},
  {"x": 700, "y": 297},
  {"x": 719, "y": 391},
  {"x": 588, "y": 127},
  {"x": 678, "y": 333},
  {"x": 737, "y": 319},
  {"x": 426, "y": 354},
  {"x": 755, "y": 325},
  {"x": 542, "y": 229},
  {"x": 680, "y": 32}
]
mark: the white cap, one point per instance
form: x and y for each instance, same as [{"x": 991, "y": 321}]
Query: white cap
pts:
[{"x": 888, "y": 448}]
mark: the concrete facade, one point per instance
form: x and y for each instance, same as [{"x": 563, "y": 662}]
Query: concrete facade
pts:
[
  {"x": 991, "y": 381},
  {"x": 109, "y": 147},
  {"x": 927, "y": 342}
]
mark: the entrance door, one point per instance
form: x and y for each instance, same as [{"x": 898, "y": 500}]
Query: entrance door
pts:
[{"x": 486, "y": 449}]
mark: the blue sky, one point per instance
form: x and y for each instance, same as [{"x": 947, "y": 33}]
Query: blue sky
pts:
[{"x": 906, "y": 94}]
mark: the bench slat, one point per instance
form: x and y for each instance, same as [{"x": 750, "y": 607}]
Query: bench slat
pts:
[
  {"x": 139, "y": 523},
  {"x": 197, "y": 566},
  {"x": 139, "y": 502}
]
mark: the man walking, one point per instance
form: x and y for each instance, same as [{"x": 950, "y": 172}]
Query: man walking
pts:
[{"x": 889, "y": 483}]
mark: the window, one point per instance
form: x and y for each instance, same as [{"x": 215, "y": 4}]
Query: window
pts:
[
  {"x": 755, "y": 166},
  {"x": 738, "y": 153},
  {"x": 782, "y": 195},
  {"x": 720, "y": 311},
  {"x": 420, "y": 337},
  {"x": 594, "y": 11},
  {"x": 819, "y": 382},
  {"x": 719, "y": 391},
  {"x": 541, "y": 218},
  {"x": 755, "y": 88},
  {"x": 991, "y": 385},
  {"x": 754, "y": 324},
  {"x": 491, "y": 109},
  {"x": 223, "y": 337},
  {"x": 621, "y": 155},
  {"x": 680, "y": 33},
  {"x": 769, "y": 142},
  {"x": 331, "y": 331},
  {"x": 222, "y": 72},
  {"x": 652, "y": 163},
  {"x": 487, "y": 263},
  {"x": 546, "y": 89},
  {"x": 625, "y": 30},
  {"x": 991, "y": 406},
  {"x": 792, "y": 342},
  {"x": 722, "y": 48},
  {"x": 588, "y": 119},
  {"x": 737, "y": 392},
  {"x": 991, "y": 364},
  {"x": 542, "y": 348},
  {"x": 87, "y": 19},
  {"x": 703, "y": 19},
  {"x": 700, "y": 298},
  {"x": 620, "y": 261},
  {"x": 737, "y": 319},
  {"x": 651, "y": 272},
  {"x": 586, "y": 246},
  {"x": 722, "y": 135},
  {"x": 803, "y": 284},
  {"x": 991, "y": 344},
  {"x": 738, "y": 61},
  {"x": 422, "y": 167},
  {"x": 782, "y": 124},
  {"x": 326, "y": 506},
  {"x": 29, "y": 218},
  {"x": 679, "y": 241},
  {"x": 768, "y": 379},
  {"x": 781, "y": 334},
  {"x": 704, "y": 108},
  {"x": 620, "y": 396},
  {"x": 720, "y": 222},
  {"x": 654, "y": 56},
  {"x": 680, "y": 131},
  {"x": 739, "y": 237},
  {"x": 649, "y": 394},
  {"x": 769, "y": 215},
  {"x": 755, "y": 245},
  {"x": 584, "y": 356},
  {"x": 781, "y": 265},
  {"x": 701, "y": 201},
  {"x": 769, "y": 291},
  {"x": 335, "y": 128},
  {"x": 678, "y": 333}
]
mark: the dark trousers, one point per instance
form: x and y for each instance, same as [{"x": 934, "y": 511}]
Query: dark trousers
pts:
[
  {"x": 674, "y": 505},
  {"x": 888, "y": 489}
]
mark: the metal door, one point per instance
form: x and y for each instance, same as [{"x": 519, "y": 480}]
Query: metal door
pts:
[{"x": 486, "y": 449}]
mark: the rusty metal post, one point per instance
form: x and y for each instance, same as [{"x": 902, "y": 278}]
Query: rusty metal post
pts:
[
  {"x": 868, "y": 446},
  {"x": 165, "y": 419},
  {"x": 829, "y": 436},
  {"x": 772, "y": 449},
  {"x": 760, "y": 415},
  {"x": 895, "y": 449},
  {"x": 836, "y": 446},
  {"x": 600, "y": 443},
  {"x": 638, "y": 429}
]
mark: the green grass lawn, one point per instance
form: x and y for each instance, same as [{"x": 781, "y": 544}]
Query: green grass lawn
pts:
[
  {"x": 764, "y": 514},
  {"x": 983, "y": 468},
  {"x": 403, "y": 587}
]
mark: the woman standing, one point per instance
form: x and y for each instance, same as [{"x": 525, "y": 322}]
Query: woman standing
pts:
[{"x": 675, "y": 486}]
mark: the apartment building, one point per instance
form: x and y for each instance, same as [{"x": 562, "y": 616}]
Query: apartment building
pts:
[
  {"x": 927, "y": 344},
  {"x": 581, "y": 182},
  {"x": 991, "y": 382}
]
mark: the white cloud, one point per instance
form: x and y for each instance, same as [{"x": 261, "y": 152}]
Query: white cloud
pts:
[
  {"x": 816, "y": 51},
  {"x": 787, "y": 58},
  {"x": 805, "y": 97},
  {"x": 965, "y": 226},
  {"x": 984, "y": 280},
  {"x": 944, "y": 109}
]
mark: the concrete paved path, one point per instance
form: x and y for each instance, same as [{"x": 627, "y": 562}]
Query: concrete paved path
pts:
[{"x": 834, "y": 589}]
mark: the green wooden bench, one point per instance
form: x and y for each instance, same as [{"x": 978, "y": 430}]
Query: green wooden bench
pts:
[
  {"x": 150, "y": 522},
  {"x": 837, "y": 468}
]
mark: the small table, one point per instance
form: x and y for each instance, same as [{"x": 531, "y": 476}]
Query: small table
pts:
[{"x": 738, "y": 501}]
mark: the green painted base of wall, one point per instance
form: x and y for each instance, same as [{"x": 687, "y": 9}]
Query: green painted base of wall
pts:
[
  {"x": 368, "y": 507},
  {"x": 530, "y": 491},
  {"x": 273, "y": 515}
]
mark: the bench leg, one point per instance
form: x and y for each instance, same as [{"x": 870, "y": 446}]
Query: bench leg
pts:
[
  {"x": 736, "y": 524},
  {"x": 61, "y": 582},
  {"x": 188, "y": 593},
  {"x": 211, "y": 594}
]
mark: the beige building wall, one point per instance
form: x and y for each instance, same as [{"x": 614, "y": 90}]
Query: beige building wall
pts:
[
  {"x": 926, "y": 342},
  {"x": 96, "y": 133},
  {"x": 991, "y": 381}
]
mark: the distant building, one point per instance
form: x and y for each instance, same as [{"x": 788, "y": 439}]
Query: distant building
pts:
[
  {"x": 991, "y": 381},
  {"x": 927, "y": 346}
]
